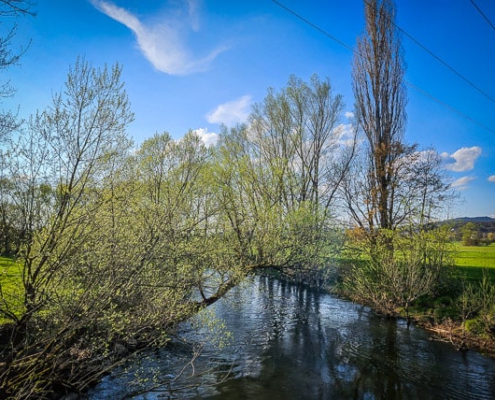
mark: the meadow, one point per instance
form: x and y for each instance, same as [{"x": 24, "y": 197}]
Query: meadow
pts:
[
  {"x": 11, "y": 286},
  {"x": 471, "y": 261}
]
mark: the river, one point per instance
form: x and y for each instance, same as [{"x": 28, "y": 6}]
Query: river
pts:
[{"x": 269, "y": 339}]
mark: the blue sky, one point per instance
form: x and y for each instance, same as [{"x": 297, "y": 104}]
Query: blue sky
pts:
[{"x": 191, "y": 64}]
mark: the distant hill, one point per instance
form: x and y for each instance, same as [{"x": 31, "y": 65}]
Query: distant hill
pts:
[
  {"x": 483, "y": 224},
  {"x": 472, "y": 219}
]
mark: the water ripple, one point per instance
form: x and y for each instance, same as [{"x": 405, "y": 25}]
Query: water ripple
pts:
[{"x": 290, "y": 342}]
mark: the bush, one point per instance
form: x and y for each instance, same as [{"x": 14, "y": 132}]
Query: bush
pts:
[{"x": 475, "y": 326}]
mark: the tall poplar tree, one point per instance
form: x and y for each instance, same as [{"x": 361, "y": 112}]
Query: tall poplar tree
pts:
[
  {"x": 380, "y": 96},
  {"x": 394, "y": 190}
]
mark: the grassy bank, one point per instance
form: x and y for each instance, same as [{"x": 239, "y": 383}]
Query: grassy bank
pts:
[{"x": 460, "y": 305}]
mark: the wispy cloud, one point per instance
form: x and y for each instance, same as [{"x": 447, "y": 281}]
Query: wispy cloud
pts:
[
  {"x": 232, "y": 112},
  {"x": 163, "y": 44},
  {"x": 464, "y": 159},
  {"x": 349, "y": 114},
  {"x": 491, "y": 178},
  {"x": 208, "y": 138},
  {"x": 462, "y": 183},
  {"x": 193, "y": 10}
]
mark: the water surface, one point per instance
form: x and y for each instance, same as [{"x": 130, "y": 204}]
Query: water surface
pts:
[{"x": 276, "y": 340}]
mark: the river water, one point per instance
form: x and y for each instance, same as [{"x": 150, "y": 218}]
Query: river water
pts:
[{"x": 269, "y": 339}]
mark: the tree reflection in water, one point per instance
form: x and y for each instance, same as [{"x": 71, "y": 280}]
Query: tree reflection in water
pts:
[{"x": 293, "y": 342}]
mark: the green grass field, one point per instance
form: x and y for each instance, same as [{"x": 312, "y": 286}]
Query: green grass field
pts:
[
  {"x": 10, "y": 274},
  {"x": 475, "y": 256},
  {"x": 472, "y": 260},
  {"x": 11, "y": 285}
]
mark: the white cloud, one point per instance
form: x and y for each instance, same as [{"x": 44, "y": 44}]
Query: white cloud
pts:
[
  {"x": 418, "y": 158},
  {"x": 208, "y": 138},
  {"x": 345, "y": 134},
  {"x": 462, "y": 183},
  {"x": 464, "y": 159},
  {"x": 230, "y": 113},
  {"x": 349, "y": 114},
  {"x": 491, "y": 178},
  {"x": 162, "y": 44}
]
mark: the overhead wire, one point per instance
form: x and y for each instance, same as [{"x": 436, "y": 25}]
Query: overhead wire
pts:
[
  {"x": 314, "y": 26},
  {"x": 417, "y": 88},
  {"x": 446, "y": 105},
  {"x": 483, "y": 14},
  {"x": 441, "y": 61}
]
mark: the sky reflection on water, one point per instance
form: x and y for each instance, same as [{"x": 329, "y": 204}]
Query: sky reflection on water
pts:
[{"x": 290, "y": 342}]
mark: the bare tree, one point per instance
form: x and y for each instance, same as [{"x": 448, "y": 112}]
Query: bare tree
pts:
[
  {"x": 380, "y": 95},
  {"x": 9, "y": 8},
  {"x": 8, "y": 57}
]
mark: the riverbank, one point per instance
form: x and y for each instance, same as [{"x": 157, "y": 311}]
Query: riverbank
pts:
[
  {"x": 462, "y": 335},
  {"x": 436, "y": 315},
  {"x": 444, "y": 287},
  {"x": 459, "y": 337}
]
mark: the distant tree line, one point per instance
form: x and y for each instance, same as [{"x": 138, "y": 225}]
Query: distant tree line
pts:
[{"x": 472, "y": 233}]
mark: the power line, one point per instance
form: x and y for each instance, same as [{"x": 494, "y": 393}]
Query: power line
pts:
[
  {"x": 483, "y": 14},
  {"x": 422, "y": 91},
  {"x": 308, "y": 22},
  {"x": 440, "y": 60},
  {"x": 446, "y": 105}
]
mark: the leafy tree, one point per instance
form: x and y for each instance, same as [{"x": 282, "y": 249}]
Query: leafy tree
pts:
[
  {"x": 279, "y": 177},
  {"x": 71, "y": 137},
  {"x": 180, "y": 225},
  {"x": 470, "y": 235},
  {"x": 63, "y": 148}
]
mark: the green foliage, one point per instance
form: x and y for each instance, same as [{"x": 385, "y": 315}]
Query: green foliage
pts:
[
  {"x": 475, "y": 326},
  {"x": 399, "y": 268},
  {"x": 213, "y": 329},
  {"x": 486, "y": 303},
  {"x": 470, "y": 235},
  {"x": 278, "y": 180},
  {"x": 476, "y": 304},
  {"x": 445, "y": 308}
]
